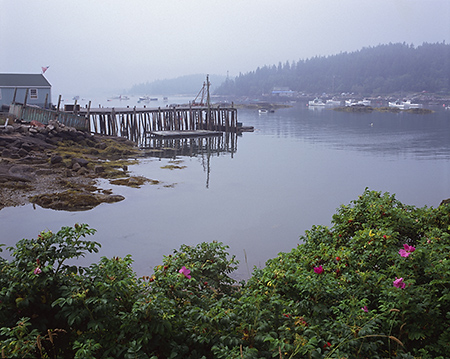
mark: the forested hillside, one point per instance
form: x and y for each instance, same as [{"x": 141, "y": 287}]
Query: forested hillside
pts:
[{"x": 383, "y": 69}]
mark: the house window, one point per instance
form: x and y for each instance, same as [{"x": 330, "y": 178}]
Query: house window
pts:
[{"x": 33, "y": 94}]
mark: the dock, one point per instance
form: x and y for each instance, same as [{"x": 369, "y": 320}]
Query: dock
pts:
[{"x": 135, "y": 122}]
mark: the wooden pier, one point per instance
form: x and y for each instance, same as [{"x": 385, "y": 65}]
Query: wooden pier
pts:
[{"x": 137, "y": 123}]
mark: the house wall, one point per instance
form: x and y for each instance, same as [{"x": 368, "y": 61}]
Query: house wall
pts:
[{"x": 7, "y": 95}]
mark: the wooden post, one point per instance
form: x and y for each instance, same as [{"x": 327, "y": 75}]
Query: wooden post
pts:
[
  {"x": 25, "y": 99},
  {"x": 59, "y": 103},
  {"x": 46, "y": 100},
  {"x": 14, "y": 97},
  {"x": 113, "y": 117},
  {"x": 88, "y": 116}
]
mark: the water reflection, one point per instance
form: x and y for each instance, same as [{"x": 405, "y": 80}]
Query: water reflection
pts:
[
  {"x": 203, "y": 147},
  {"x": 383, "y": 134},
  {"x": 225, "y": 143}
]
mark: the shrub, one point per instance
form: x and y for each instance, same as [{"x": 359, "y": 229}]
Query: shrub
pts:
[
  {"x": 334, "y": 294},
  {"x": 376, "y": 284}
]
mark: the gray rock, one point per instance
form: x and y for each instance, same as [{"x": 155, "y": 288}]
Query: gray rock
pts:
[
  {"x": 8, "y": 129},
  {"x": 22, "y": 152},
  {"x": 99, "y": 169},
  {"x": 56, "y": 159},
  {"x": 6, "y": 153},
  {"x": 76, "y": 166},
  {"x": 83, "y": 171},
  {"x": 81, "y": 161}
]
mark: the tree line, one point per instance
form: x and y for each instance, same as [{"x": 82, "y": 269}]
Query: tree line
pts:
[{"x": 378, "y": 70}]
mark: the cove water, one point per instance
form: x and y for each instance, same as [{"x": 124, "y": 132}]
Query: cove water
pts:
[{"x": 292, "y": 172}]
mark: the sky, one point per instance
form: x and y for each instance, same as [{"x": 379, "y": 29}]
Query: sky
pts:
[{"x": 97, "y": 47}]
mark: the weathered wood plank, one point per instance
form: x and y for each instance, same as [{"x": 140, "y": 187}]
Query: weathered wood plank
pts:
[{"x": 185, "y": 133}]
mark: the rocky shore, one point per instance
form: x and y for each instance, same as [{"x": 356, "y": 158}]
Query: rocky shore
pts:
[{"x": 56, "y": 166}]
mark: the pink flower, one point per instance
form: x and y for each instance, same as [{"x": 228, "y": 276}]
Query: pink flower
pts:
[
  {"x": 406, "y": 251},
  {"x": 398, "y": 283},
  {"x": 365, "y": 308},
  {"x": 37, "y": 271},
  {"x": 318, "y": 270},
  {"x": 186, "y": 272}
]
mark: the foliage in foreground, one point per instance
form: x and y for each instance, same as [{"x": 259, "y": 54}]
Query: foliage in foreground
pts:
[{"x": 376, "y": 284}]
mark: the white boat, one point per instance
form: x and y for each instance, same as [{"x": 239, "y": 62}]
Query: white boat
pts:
[
  {"x": 397, "y": 104},
  {"x": 316, "y": 102},
  {"x": 357, "y": 102},
  {"x": 404, "y": 105},
  {"x": 408, "y": 104},
  {"x": 263, "y": 111},
  {"x": 120, "y": 97},
  {"x": 333, "y": 103}
]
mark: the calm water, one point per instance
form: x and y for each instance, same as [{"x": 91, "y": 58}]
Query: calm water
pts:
[{"x": 291, "y": 173}]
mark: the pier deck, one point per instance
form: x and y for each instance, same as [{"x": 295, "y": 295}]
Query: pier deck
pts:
[{"x": 187, "y": 133}]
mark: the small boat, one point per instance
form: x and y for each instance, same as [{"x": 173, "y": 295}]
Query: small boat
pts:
[
  {"x": 404, "y": 105},
  {"x": 316, "y": 102},
  {"x": 263, "y": 111},
  {"x": 120, "y": 97},
  {"x": 357, "y": 102},
  {"x": 333, "y": 103},
  {"x": 408, "y": 105},
  {"x": 397, "y": 104}
]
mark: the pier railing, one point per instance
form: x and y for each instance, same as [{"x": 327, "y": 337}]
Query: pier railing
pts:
[{"x": 42, "y": 115}]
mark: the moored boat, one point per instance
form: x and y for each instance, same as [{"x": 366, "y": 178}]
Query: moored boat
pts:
[
  {"x": 404, "y": 105},
  {"x": 333, "y": 103},
  {"x": 316, "y": 102},
  {"x": 364, "y": 102}
]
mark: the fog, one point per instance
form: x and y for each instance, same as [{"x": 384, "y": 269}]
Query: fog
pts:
[{"x": 106, "y": 46}]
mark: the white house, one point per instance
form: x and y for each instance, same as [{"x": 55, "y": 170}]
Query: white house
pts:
[{"x": 39, "y": 89}]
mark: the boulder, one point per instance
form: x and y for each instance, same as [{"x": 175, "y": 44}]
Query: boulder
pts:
[
  {"x": 56, "y": 159},
  {"x": 81, "y": 161},
  {"x": 76, "y": 166}
]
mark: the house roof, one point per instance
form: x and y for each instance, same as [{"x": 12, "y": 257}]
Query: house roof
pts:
[{"x": 23, "y": 80}]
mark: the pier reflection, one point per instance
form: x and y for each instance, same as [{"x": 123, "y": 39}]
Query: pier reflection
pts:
[{"x": 204, "y": 147}]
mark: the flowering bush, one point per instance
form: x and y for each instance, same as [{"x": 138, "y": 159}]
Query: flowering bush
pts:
[
  {"x": 375, "y": 296},
  {"x": 376, "y": 284}
]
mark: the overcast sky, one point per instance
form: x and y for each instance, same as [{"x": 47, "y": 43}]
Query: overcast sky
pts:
[{"x": 101, "y": 46}]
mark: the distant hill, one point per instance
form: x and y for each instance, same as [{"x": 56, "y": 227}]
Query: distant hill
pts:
[
  {"x": 186, "y": 85},
  {"x": 383, "y": 69}
]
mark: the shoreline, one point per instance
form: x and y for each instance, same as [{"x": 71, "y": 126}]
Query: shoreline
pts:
[{"x": 55, "y": 166}]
